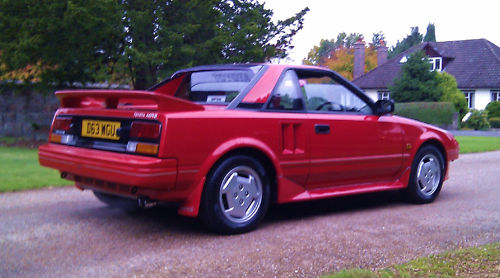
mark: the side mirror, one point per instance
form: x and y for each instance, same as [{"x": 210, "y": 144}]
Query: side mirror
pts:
[{"x": 384, "y": 106}]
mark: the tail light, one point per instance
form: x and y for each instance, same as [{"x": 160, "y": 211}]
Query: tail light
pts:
[
  {"x": 60, "y": 128},
  {"x": 62, "y": 124},
  {"x": 141, "y": 147},
  {"x": 143, "y": 136},
  {"x": 145, "y": 130}
]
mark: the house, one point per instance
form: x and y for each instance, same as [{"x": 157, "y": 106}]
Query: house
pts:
[{"x": 475, "y": 64}]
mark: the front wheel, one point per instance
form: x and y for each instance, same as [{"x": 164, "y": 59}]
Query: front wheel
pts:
[
  {"x": 427, "y": 174},
  {"x": 236, "y": 195}
]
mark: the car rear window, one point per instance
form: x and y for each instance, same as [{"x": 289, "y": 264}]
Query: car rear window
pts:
[{"x": 218, "y": 87}]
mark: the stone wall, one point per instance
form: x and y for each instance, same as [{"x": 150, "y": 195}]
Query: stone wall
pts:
[{"x": 26, "y": 114}]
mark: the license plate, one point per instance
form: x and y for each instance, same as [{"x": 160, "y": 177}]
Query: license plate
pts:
[{"x": 100, "y": 129}]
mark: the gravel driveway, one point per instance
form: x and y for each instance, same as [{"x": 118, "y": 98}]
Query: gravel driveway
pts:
[{"x": 67, "y": 233}]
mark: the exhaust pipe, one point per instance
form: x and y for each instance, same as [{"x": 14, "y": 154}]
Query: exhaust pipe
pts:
[{"x": 145, "y": 202}]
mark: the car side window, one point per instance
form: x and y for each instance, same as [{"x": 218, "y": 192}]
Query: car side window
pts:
[
  {"x": 324, "y": 94},
  {"x": 287, "y": 95},
  {"x": 216, "y": 87}
]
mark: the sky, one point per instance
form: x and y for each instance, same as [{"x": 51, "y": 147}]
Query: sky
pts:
[{"x": 454, "y": 20}]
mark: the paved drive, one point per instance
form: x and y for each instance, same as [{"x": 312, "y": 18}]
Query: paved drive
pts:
[{"x": 67, "y": 233}]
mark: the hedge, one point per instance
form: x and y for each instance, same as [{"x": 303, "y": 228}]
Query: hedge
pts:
[
  {"x": 435, "y": 113},
  {"x": 493, "y": 109},
  {"x": 494, "y": 122}
]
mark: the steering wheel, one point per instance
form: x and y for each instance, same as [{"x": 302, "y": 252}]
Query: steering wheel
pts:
[
  {"x": 362, "y": 107},
  {"x": 341, "y": 108},
  {"x": 323, "y": 105}
]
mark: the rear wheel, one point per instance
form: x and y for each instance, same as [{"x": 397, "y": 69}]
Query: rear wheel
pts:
[
  {"x": 236, "y": 195},
  {"x": 427, "y": 174}
]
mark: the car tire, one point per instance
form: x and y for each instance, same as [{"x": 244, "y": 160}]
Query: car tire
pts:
[
  {"x": 116, "y": 201},
  {"x": 236, "y": 195},
  {"x": 427, "y": 175}
]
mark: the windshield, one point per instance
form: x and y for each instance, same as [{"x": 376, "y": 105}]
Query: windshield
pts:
[{"x": 217, "y": 86}]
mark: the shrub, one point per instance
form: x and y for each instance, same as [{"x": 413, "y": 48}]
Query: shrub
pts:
[
  {"x": 495, "y": 122},
  {"x": 493, "y": 109},
  {"x": 450, "y": 93},
  {"x": 477, "y": 120},
  {"x": 436, "y": 113},
  {"x": 415, "y": 82}
]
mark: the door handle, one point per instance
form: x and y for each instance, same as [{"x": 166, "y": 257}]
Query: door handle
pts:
[{"x": 322, "y": 129}]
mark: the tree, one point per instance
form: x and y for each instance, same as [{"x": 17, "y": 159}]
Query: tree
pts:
[
  {"x": 164, "y": 36},
  {"x": 414, "y": 38},
  {"x": 80, "y": 41},
  {"x": 338, "y": 55},
  {"x": 377, "y": 38},
  {"x": 430, "y": 35},
  {"x": 415, "y": 82},
  {"x": 182, "y": 34},
  {"x": 447, "y": 84},
  {"x": 341, "y": 60},
  {"x": 61, "y": 42},
  {"x": 349, "y": 41},
  {"x": 249, "y": 34},
  {"x": 319, "y": 54},
  {"x": 147, "y": 43}
]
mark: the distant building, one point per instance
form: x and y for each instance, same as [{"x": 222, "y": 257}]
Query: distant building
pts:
[{"x": 475, "y": 64}]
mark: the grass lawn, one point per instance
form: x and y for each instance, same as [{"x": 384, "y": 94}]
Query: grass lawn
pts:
[
  {"x": 8, "y": 140},
  {"x": 481, "y": 261},
  {"x": 474, "y": 144},
  {"x": 19, "y": 169}
]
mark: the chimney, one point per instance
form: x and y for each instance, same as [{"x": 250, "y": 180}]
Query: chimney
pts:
[
  {"x": 381, "y": 53},
  {"x": 359, "y": 59}
]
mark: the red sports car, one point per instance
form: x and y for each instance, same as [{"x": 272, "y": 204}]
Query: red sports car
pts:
[{"x": 226, "y": 141}]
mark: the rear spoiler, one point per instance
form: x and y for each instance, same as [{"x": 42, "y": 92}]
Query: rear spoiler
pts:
[{"x": 112, "y": 99}]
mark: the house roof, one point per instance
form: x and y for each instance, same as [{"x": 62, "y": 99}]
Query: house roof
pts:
[{"x": 474, "y": 64}]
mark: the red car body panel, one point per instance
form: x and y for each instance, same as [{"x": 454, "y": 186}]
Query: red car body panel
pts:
[{"x": 376, "y": 152}]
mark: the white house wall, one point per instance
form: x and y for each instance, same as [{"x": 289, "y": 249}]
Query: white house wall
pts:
[
  {"x": 373, "y": 94},
  {"x": 481, "y": 98}
]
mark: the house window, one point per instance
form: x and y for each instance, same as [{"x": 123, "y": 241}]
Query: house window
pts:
[
  {"x": 384, "y": 95},
  {"x": 469, "y": 96},
  {"x": 436, "y": 63},
  {"x": 495, "y": 95}
]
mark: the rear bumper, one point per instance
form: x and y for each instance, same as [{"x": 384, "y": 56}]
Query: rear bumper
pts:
[
  {"x": 122, "y": 174},
  {"x": 90, "y": 168}
]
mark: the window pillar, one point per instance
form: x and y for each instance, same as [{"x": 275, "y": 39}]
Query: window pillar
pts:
[{"x": 469, "y": 96}]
